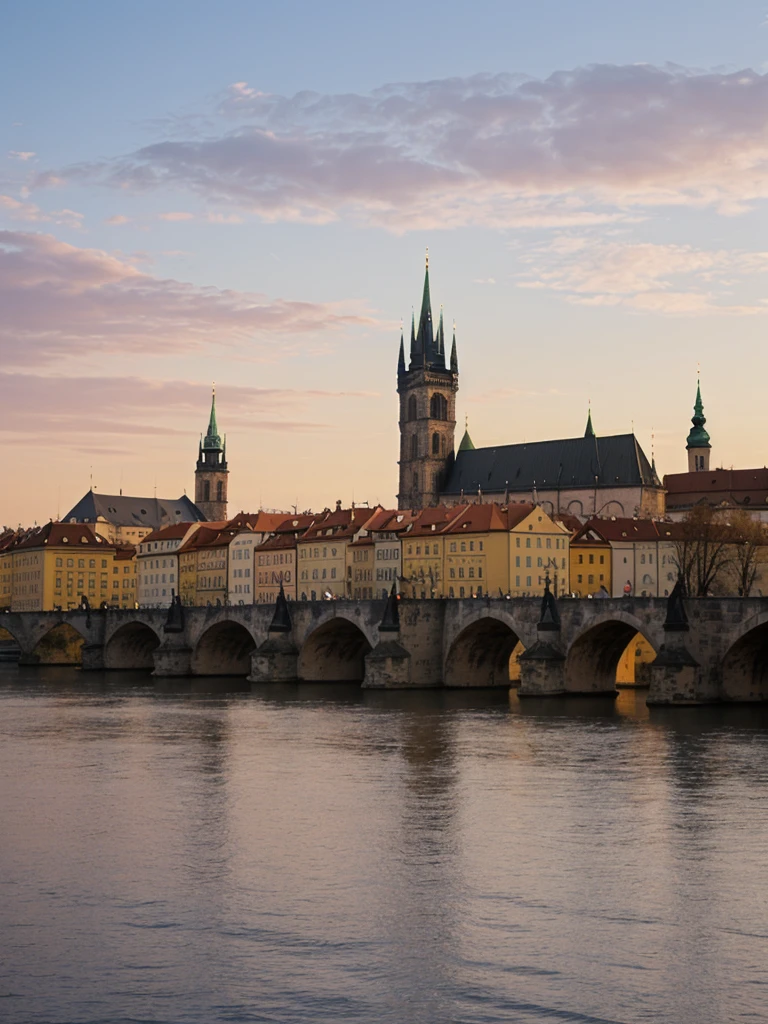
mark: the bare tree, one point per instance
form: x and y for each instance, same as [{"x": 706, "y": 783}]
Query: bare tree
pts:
[
  {"x": 702, "y": 551},
  {"x": 747, "y": 539}
]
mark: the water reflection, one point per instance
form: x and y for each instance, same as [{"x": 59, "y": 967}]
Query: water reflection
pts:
[{"x": 192, "y": 851}]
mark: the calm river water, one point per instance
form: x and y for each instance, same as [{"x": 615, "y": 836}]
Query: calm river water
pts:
[{"x": 188, "y": 853}]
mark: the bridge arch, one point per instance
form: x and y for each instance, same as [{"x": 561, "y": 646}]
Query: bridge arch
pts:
[
  {"x": 131, "y": 646},
  {"x": 61, "y": 644},
  {"x": 224, "y": 649},
  {"x": 594, "y": 656},
  {"x": 334, "y": 652},
  {"x": 484, "y": 653},
  {"x": 745, "y": 665}
]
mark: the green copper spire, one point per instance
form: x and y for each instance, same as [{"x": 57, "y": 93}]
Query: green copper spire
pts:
[
  {"x": 212, "y": 438},
  {"x": 698, "y": 437},
  {"x": 466, "y": 441},
  {"x": 590, "y": 431}
]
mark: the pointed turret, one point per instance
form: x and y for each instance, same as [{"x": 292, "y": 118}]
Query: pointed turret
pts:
[
  {"x": 466, "y": 441},
  {"x": 454, "y": 354},
  {"x": 697, "y": 442},
  {"x": 212, "y": 438},
  {"x": 401, "y": 357},
  {"x": 441, "y": 338},
  {"x": 590, "y": 430},
  {"x": 414, "y": 351}
]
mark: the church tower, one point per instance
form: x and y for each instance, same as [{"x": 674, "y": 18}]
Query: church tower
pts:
[
  {"x": 427, "y": 390},
  {"x": 211, "y": 472},
  {"x": 697, "y": 445}
]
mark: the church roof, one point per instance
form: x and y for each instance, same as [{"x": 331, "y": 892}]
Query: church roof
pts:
[
  {"x": 122, "y": 510},
  {"x": 613, "y": 461}
]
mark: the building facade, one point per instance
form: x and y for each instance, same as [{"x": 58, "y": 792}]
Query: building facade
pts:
[{"x": 158, "y": 564}]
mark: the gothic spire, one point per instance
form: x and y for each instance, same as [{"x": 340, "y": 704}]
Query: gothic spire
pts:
[
  {"x": 212, "y": 438},
  {"x": 590, "y": 431},
  {"x": 401, "y": 357},
  {"x": 698, "y": 437},
  {"x": 454, "y": 355},
  {"x": 425, "y": 339}
]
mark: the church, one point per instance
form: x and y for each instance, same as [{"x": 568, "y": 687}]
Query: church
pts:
[
  {"x": 583, "y": 476},
  {"x": 122, "y": 519}
]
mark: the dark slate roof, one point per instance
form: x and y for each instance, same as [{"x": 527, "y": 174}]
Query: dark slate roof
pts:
[
  {"x": 121, "y": 510},
  {"x": 616, "y": 461}
]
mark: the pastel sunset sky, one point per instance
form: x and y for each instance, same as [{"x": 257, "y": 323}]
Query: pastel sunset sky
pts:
[{"x": 244, "y": 191}]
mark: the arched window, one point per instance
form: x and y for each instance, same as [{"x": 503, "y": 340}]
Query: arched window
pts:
[
  {"x": 412, "y": 407},
  {"x": 206, "y": 490},
  {"x": 415, "y": 481},
  {"x": 219, "y": 491},
  {"x": 438, "y": 407},
  {"x": 414, "y": 447},
  {"x": 435, "y": 443}
]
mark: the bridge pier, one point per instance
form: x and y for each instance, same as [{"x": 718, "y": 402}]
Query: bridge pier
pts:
[
  {"x": 387, "y": 667},
  {"x": 542, "y": 667},
  {"x": 172, "y": 661},
  {"x": 276, "y": 661},
  {"x": 93, "y": 657}
]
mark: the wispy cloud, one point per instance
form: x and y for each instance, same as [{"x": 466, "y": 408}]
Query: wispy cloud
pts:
[
  {"x": 31, "y": 213},
  {"x": 57, "y": 298},
  {"x": 672, "y": 279},
  {"x": 58, "y": 408},
  {"x": 588, "y": 146},
  {"x": 117, "y": 219},
  {"x": 176, "y": 215},
  {"x": 21, "y": 155}
]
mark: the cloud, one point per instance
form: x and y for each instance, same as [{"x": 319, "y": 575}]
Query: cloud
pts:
[
  {"x": 176, "y": 215},
  {"x": 58, "y": 299},
  {"x": 58, "y": 408},
  {"x": 588, "y": 146},
  {"x": 19, "y": 210},
  {"x": 118, "y": 219},
  {"x": 646, "y": 277},
  {"x": 23, "y": 156}
]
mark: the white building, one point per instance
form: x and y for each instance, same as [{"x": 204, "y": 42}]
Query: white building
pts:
[{"x": 157, "y": 564}]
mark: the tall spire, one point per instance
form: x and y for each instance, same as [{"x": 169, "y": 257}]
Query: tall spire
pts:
[
  {"x": 401, "y": 357},
  {"x": 212, "y": 438},
  {"x": 590, "y": 431},
  {"x": 454, "y": 354},
  {"x": 698, "y": 437},
  {"x": 425, "y": 339}
]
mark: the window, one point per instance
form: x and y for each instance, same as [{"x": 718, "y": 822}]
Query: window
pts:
[
  {"x": 412, "y": 407},
  {"x": 59, "y": 562},
  {"x": 471, "y": 545},
  {"x": 538, "y": 542},
  {"x": 527, "y": 542},
  {"x": 591, "y": 559},
  {"x": 453, "y": 574},
  {"x": 471, "y": 572},
  {"x": 517, "y": 561},
  {"x": 590, "y": 579},
  {"x": 81, "y": 563},
  {"x": 461, "y": 591},
  {"x": 206, "y": 490},
  {"x": 602, "y": 559},
  {"x": 435, "y": 443},
  {"x": 642, "y": 559},
  {"x": 438, "y": 407},
  {"x": 528, "y": 562},
  {"x": 219, "y": 491},
  {"x": 581, "y": 559},
  {"x": 527, "y": 581},
  {"x": 461, "y": 572}
]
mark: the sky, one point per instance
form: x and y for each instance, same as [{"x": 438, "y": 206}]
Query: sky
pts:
[{"x": 243, "y": 193}]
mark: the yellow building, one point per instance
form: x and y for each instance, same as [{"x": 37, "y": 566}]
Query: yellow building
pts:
[
  {"x": 325, "y": 570},
  {"x": 8, "y": 539},
  {"x": 361, "y": 555},
  {"x": 125, "y": 578},
  {"x": 59, "y": 564},
  {"x": 203, "y": 565},
  {"x": 590, "y": 558},
  {"x": 275, "y": 560},
  {"x": 484, "y": 549}
]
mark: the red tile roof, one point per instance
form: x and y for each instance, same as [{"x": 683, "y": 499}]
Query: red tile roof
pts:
[{"x": 64, "y": 534}]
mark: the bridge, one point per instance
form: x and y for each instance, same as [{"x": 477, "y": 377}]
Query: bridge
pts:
[{"x": 719, "y": 654}]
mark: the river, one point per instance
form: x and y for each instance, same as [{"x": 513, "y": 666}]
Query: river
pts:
[{"x": 196, "y": 852}]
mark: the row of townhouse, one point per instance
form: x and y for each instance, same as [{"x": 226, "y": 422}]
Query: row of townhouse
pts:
[{"x": 57, "y": 565}]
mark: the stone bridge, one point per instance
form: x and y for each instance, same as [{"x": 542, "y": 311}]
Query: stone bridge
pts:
[{"x": 721, "y": 654}]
